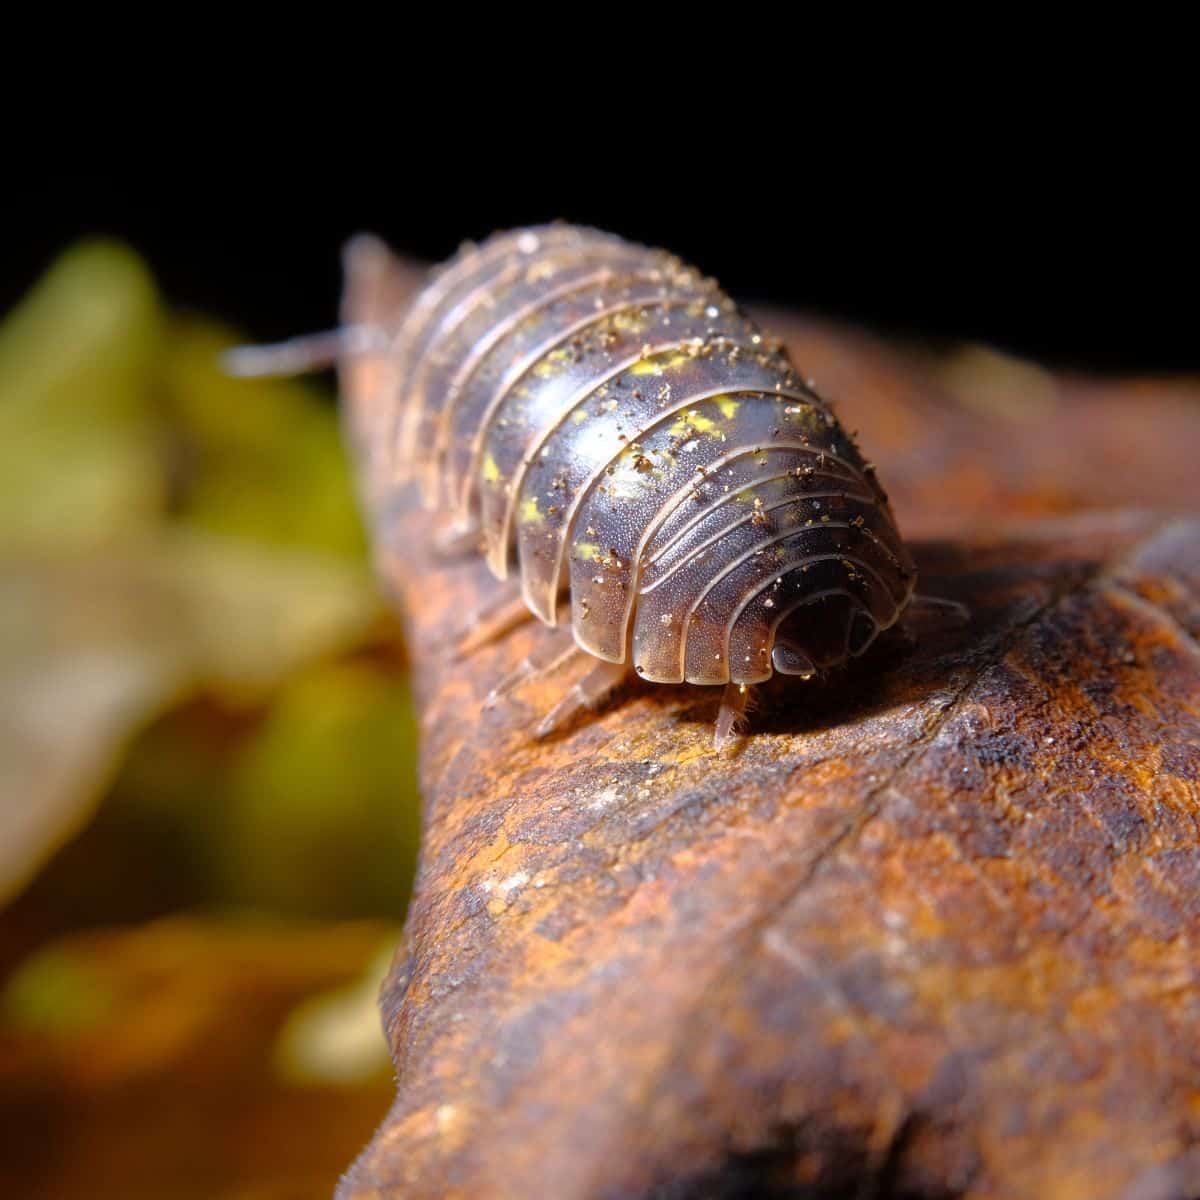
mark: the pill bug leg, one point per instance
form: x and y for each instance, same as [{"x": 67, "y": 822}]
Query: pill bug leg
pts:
[
  {"x": 588, "y": 693},
  {"x": 734, "y": 702},
  {"x": 548, "y": 659},
  {"x": 458, "y": 540},
  {"x": 503, "y": 610}
]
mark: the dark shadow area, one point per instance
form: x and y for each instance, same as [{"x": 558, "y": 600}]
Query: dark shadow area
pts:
[
  {"x": 1068, "y": 271},
  {"x": 807, "y": 1162}
]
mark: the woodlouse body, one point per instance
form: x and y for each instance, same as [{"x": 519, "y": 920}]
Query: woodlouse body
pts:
[{"x": 621, "y": 435}]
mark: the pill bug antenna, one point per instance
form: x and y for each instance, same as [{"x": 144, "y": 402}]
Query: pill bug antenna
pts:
[
  {"x": 303, "y": 355},
  {"x": 955, "y": 610}
]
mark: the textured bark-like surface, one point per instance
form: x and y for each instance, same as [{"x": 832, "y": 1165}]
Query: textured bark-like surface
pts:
[{"x": 930, "y": 931}]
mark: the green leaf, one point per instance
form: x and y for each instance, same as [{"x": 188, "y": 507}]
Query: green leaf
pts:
[
  {"x": 80, "y": 444},
  {"x": 324, "y": 814}
]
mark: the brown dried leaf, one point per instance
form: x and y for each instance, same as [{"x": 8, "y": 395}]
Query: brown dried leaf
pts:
[
  {"x": 174, "y": 1060},
  {"x": 929, "y": 932}
]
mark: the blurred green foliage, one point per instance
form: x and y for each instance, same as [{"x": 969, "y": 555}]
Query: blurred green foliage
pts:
[
  {"x": 55, "y": 992},
  {"x": 256, "y": 459},
  {"x": 176, "y": 543},
  {"x": 204, "y": 710},
  {"x": 80, "y": 459}
]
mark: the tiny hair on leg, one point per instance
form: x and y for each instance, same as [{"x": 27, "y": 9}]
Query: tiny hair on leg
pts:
[{"x": 731, "y": 716}]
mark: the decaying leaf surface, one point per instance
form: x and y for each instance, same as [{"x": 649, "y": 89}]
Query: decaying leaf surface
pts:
[{"x": 930, "y": 931}]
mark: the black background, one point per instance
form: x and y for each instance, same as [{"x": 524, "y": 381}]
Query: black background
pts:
[{"x": 1069, "y": 247}]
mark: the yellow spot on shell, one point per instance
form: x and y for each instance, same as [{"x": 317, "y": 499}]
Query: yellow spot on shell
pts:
[
  {"x": 530, "y": 512},
  {"x": 692, "y": 422},
  {"x": 552, "y": 362},
  {"x": 587, "y": 551},
  {"x": 804, "y": 415},
  {"x": 658, "y": 363},
  {"x": 728, "y": 406},
  {"x": 580, "y": 415},
  {"x": 491, "y": 472}
]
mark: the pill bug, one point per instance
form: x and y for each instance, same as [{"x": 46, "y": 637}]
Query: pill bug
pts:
[{"x": 643, "y": 469}]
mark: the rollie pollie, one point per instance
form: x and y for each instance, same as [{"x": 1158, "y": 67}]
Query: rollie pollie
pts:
[{"x": 644, "y": 470}]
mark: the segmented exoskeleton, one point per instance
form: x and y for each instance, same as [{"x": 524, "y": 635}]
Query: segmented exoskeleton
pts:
[{"x": 612, "y": 430}]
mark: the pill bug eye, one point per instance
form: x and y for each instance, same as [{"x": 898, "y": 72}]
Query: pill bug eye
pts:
[
  {"x": 643, "y": 470},
  {"x": 790, "y": 660}
]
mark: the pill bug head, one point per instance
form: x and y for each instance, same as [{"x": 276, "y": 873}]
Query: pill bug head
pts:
[
  {"x": 821, "y": 634},
  {"x": 814, "y": 614},
  {"x": 833, "y": 607}
]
